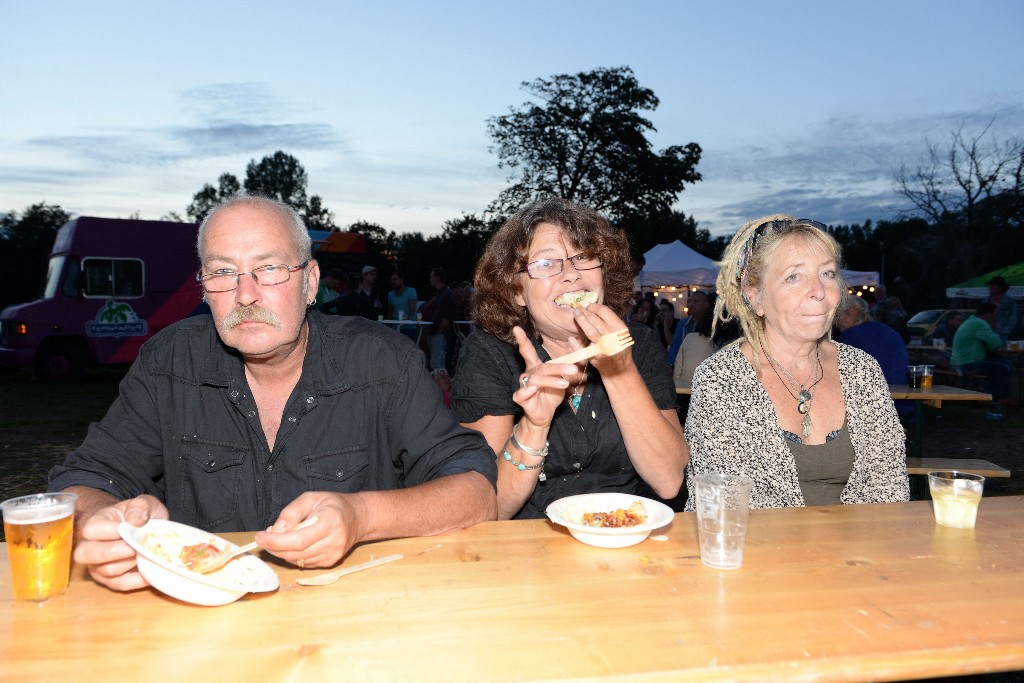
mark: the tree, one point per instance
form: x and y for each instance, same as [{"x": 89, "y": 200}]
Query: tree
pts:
[
  {"x": 971, "y": 193},
  {"x": 279, "y": 176},
  {"x": 25, "y": 244},
  {"x": 666, "y": 226},
  {"x": 208, "y": 197},
  {"x": 318, "y": 216},
  {"x": 586, "y": 141}
]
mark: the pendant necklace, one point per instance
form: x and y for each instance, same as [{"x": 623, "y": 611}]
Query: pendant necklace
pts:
[
  {"x": 577, "y": 391},
  {"x": 804, "y": 397}
]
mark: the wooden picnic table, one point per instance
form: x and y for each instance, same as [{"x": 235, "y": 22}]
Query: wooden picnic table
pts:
[{"x": 836, "y": 593}]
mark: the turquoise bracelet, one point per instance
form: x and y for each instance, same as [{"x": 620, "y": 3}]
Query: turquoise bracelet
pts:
[{"x": 519, "y": 465}]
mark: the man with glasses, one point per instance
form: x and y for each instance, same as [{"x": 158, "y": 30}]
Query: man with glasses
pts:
[{"x": 268, "y": 413}]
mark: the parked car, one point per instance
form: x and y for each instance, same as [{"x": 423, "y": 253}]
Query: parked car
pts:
[{"x": 923, "y": 324}]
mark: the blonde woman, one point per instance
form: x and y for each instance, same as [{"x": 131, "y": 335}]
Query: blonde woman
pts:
[{"x": 810, "y": 420}]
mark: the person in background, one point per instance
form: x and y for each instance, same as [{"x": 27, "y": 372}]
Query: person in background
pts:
[
  {"x": 697, "y": 307},
  {"x": 402, "y": 304},
  {"x": 856, "y": 328},
  {"x": 561, "y": 429},
  {"x": 1006, "y": 307},
  {"x": 811, "y": 421},
  {"x": 329, "y": 287},
  {"x": 665, "y": 321},
  {"x": 368, "y": 290},
  {"x": 350, "y": 303},
  {"x": 441, "y": 311},
  {"x": 644, "y": 313},
  {"x": 946, "y": 329},
  {"x": 268, "y": 413},
  {"x": 706, "y": 339},
  {"x": 888, "y": 310},
  {"x": 971, "y": 344}
]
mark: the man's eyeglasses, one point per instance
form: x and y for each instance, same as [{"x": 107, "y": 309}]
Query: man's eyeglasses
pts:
[
  {"x": 226, "y": 280},
  {"x": 549, "y": 267}
]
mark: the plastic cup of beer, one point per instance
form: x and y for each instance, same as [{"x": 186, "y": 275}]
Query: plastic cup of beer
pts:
[
  {"x": 927, "y": 375},
  {"x": 39, "y": 534},
  {"x": 955, "y": 497},
  {"x": 914, "y": 375},
  {"x": 723, "y": 504}
]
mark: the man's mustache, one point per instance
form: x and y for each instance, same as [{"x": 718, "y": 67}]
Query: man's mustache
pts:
[{"x": 252, "y": 312}]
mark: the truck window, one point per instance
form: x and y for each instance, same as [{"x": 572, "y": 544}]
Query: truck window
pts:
[
  {"x": 53, "y": 271},
  {"x": 105, "y": 277}
]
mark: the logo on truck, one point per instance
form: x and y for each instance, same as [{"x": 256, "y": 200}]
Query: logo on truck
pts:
[{"x": 116, "y": 319}]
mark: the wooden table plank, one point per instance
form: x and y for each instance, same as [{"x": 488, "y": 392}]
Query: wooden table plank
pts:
[
  {"x": 982, "y": 467},
  {"x": 838, "y": 593}
]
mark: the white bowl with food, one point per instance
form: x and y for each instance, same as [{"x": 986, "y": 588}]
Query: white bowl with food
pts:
[
  {"x": 159, "y": 546},
  {"x": 610, "y": 520}
]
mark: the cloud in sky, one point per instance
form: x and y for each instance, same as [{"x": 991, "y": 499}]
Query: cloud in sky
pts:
[{"x": 841, "y": 171}]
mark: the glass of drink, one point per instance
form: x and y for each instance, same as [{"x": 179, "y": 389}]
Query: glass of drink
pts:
[
  {"x": 39, "y": 534},
  {"x": 927, "y": 375},
  {"x": 723, "y": 504},
  {"x": 955, "y": 497},
  {"x": 914, "y": 374}
]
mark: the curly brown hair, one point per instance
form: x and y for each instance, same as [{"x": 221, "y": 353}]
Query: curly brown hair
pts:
[{"x": 497, "y": 278}]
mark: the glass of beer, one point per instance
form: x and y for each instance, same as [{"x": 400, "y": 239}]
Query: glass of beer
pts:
[{"x": 38, "y": 530}]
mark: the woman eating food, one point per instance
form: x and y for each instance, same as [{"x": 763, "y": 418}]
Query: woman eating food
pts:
[
  {"x": 811, "y": 421},
  {"x": 555, "y": 278}
]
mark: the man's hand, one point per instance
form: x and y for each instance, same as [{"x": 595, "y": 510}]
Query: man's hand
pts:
[
  {"x": 323, "y": 544},
  {"x": 110, "y": 560}
]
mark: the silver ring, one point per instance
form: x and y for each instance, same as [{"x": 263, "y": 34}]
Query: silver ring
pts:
[
  {"x": 524, "y": 380},
  {"x": 301, "y": 563}
]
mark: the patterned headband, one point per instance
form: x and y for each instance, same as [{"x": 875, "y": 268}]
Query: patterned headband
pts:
[{"x": 778, "y": 227}]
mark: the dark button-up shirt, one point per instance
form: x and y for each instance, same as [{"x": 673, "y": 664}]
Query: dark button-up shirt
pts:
[
  {"x": 364, "y": 415},
  {"x": 587, "y": 452}
]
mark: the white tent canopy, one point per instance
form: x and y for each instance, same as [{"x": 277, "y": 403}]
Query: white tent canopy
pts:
[{"x": 677, "y": 265}]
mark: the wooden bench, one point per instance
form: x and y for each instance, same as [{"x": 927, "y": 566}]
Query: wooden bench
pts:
[{"x": 982, "y": 467}]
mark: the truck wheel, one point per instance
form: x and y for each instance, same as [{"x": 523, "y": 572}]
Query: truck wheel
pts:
[{"x": 61, "y": 363}]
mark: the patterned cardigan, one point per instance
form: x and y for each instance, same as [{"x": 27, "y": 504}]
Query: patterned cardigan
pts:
[{"x": 732, "y": 428}]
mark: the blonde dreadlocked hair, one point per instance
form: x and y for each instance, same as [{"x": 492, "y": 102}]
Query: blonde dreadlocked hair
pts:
[{"x": 741, "y": 271}]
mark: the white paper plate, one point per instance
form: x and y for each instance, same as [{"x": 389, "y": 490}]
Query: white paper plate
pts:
[{"x": 245, "y": 574}]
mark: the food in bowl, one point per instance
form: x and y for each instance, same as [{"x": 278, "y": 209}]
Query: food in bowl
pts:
[
  {"x": 159, "y": 547},
  {"x": 634, "y": 515},
  {"x": 572, "y": 513}
]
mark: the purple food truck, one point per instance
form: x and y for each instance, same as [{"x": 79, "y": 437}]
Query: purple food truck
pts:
[{"x": 111, "y": 285}]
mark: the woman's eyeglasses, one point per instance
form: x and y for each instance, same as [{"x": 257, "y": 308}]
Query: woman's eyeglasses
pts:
[{"x": 549, "y": 267}]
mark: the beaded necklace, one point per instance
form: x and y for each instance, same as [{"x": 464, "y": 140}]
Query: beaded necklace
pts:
[{"x": 804, "y": 397}]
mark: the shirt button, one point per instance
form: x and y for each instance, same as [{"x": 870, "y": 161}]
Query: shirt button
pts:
[
  {"x": 234, "y": 394},
  {"x": 270, "y": 468},
  {"x": 212, "y": 463},
  {"x": 339, "y": 474},
  {"x": 576, "y": 465},
  {"x": 252, "y": 413},
  {"x": 291, "y": 418},
  {"x": 310, "y": 400}
]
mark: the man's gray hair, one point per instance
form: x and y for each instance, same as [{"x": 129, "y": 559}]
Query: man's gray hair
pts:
[{"x": 303, "y": 242}]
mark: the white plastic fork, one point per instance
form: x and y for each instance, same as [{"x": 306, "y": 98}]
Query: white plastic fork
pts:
[{"x": 607, "y": 344}]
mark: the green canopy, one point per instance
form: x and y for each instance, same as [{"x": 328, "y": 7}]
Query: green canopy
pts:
[{"x": 976, "y": 288}]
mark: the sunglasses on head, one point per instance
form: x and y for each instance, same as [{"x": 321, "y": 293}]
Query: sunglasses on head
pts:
[{"x": 777, "y": 226}]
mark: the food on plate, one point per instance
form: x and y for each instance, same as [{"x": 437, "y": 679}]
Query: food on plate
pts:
[
  {"x": 577, "y": 299},
  {"x": 175, "y": 550},
  {"x": 198, "y": 554},
  {"x": 634, "y": 515}
]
